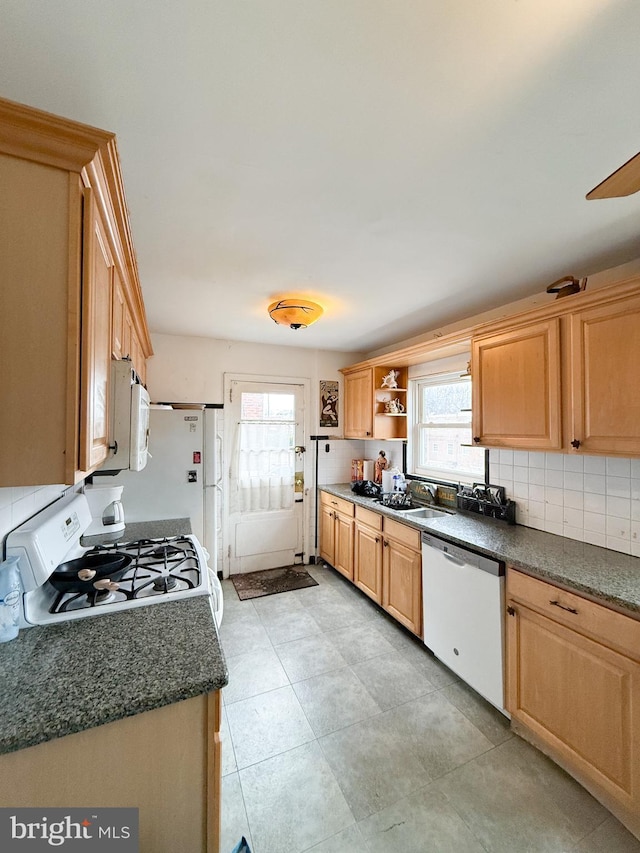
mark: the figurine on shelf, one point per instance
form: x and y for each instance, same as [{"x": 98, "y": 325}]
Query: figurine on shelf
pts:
[
  {"x": 391, "y": 379},
  {"x": 381, "y": 465}
]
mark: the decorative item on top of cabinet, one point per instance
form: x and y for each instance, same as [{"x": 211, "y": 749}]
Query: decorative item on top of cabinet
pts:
[
  {"x": 572, "y": 362},
  {"x": 573, "y": 688},
  {"x": 367, "y": 398},
  {"x": 67, "y": 254}
]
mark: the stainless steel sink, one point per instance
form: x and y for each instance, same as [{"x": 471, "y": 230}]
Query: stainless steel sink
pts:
[{"x": 423, "y": 512}]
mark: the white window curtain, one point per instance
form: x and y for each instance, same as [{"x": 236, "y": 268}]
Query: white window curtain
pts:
[{"x": 263, "y": 466}]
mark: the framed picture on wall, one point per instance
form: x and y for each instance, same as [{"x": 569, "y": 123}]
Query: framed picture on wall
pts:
[{"x": 328, "y": 403}]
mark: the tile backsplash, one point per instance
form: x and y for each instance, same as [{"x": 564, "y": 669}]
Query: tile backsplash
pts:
[
  {"x": 18, "y": 503},
  {"x": 594, "y": 499}
]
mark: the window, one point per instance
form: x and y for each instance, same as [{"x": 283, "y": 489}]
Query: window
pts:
[{"x": 441, "y": 435}]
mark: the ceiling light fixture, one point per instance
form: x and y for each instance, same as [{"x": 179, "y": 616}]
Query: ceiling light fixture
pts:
[{"x": 295, "y": 313}]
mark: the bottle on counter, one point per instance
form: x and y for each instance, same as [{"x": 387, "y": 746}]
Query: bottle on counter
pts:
[{"x": 10, "y": 591}]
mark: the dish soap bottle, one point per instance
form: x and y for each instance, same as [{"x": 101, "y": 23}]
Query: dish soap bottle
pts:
[{"x": 10, "y": 589}]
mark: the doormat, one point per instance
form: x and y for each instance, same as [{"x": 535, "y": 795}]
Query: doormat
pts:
[{"x": 271, "y": 581}]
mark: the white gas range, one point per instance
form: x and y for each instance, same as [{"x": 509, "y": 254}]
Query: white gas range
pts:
[{"x": 63, "y": 580}]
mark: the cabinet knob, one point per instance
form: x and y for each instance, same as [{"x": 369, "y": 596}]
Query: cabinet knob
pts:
[
  {"x": 377, "y": 540},
  {"x": 385, "y": 543},
  {"x": 368, "y": 433},
  {"x": 476, "y": 439},
  {"x": 511, "y": 611},
  {"x": 575, "y": 443}
]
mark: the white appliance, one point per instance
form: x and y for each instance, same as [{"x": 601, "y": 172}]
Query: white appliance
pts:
[
  {"x": 183, "y": 477},
  {"x": 157, "y": 570},
  {"x": 463, "y": 615},
  {"x": 105, "y": 505},
  {"x": 129, "y": 431}
]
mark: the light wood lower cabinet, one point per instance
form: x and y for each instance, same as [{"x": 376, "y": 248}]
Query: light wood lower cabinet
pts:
[
  {"x": 367, "y": 553},
  {"x": 336, "y": 533},
  {"x": 402, "y": 574},
  {"x": 381, "y": 556},
  {"x": 573, "y": 688},
  {"x": 165, "y": 762}
]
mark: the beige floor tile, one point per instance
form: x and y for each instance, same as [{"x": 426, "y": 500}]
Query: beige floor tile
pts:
[
  {"x": 513, "y": 804},
  {"x": 293, "y": 801},
  {"x": 308, "y": 657},
  {"x": 359, "y": 642},
  {"x": 334, "y": 700},
  {"x": 391, "y": 679},
  {"x": 373, "y": 764},
  {"x": 267, "y": 725},
  {"x": 422, "y": 822},
  {"x": 493, "y": 724},
  {"x": 234, "y": 822},
  {"x": 253, "y": 673}
]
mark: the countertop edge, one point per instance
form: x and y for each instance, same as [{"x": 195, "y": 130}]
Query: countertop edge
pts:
[{"x": 596, "y": 584}]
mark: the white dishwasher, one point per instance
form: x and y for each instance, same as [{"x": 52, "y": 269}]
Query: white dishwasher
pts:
[{"x": 463, "y": 614}]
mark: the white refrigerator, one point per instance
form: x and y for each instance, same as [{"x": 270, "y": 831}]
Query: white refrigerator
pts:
[{"x": 183, "y": 476}]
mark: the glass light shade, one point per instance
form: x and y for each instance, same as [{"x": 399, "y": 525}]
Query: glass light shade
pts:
[{"x": 295, "y": 313}]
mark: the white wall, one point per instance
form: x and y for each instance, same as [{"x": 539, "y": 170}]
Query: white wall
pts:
[{"x": 191, "y": 370}]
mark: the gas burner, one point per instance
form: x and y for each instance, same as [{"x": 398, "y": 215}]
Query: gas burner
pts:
[
  {"x": 164, "y": 583},
  {"x": 165, "y": 550},
  {"x": 101, "y": 596}
]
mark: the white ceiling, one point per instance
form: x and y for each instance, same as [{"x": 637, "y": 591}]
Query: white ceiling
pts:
[{"x": 406, "y": 162}]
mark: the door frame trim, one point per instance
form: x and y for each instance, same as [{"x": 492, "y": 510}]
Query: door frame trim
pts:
[{"x": 227, "y": 444}]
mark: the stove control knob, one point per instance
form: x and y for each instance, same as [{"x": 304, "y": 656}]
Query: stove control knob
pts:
[{"x": 106, "y": 584}]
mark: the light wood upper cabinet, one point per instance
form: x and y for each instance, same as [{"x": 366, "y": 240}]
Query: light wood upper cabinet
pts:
[
  {"x": 605, "y": 354},
  {"x": 573, "y": 688},
  {"x": 96, "y": 339},
  {"x": 516, "y": 387},
  {"x": 69, "y": 296},
  {"x": 565, "y": 380},
  {"x": 366, "y": 414},
  {"x": 358, "y": 403}
]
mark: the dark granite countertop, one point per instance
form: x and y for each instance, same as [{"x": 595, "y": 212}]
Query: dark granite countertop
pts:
[
  {"x": 59, "y": 679},
  {"x": 606, "y": 576},
  {"x": 142, "y": 530}
]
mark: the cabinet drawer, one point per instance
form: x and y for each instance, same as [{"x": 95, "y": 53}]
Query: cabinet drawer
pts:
[
  {"x": 594, "y": 620},
  {"x": 339, "y": 504},
  {"x": 368, "y": 517},
  {"x": 408, "y": 536}
]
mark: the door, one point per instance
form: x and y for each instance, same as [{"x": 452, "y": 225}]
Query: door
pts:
[
  {"x": 367, "y": 560},
  {"x": 266, "y": 475}
]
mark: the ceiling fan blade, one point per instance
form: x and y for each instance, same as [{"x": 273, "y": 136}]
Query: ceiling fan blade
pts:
[{"x": 624, "y": 181}]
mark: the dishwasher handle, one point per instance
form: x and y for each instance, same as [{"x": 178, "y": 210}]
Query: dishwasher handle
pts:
[{"x": 452, "y": 559}]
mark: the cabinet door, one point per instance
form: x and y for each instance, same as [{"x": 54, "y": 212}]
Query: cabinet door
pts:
[
  {"x": 605, "y": 355},
  {"x": 327, "y": 534},
  {"x": 367, "y": 561},
  {"x": 581, "y": 700},
  {"x": 343, "y": 551},
  {"x": 516, "y": 388},
  {"x": 358, "y": 404},
  {"x": 402, "y": 584},
  {"x": 96, "y": 339},
  {"x": 118, "y": 318}
]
